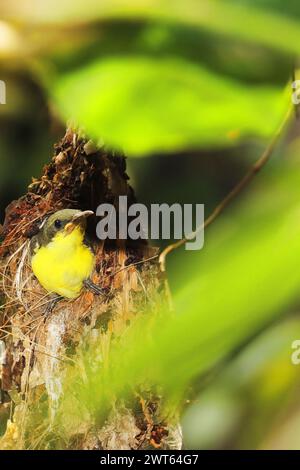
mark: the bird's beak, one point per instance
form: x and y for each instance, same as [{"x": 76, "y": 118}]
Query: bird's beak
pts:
[
  {"x": 81, "y": 215},
  {"x": 78, "y": 219}
]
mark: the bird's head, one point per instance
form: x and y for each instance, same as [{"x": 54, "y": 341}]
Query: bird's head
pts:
[{"x": 63, "y": 222}]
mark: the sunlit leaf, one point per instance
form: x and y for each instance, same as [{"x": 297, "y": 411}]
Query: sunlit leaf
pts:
[
  {"x": 145, "y": 105},
  {"x": 242, "y": 281}
]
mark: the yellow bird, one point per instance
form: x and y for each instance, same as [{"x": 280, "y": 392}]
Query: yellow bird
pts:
[{"x": 61, "y": 259}]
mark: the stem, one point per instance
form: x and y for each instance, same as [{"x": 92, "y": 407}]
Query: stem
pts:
[{"x": 258, "y": 165}]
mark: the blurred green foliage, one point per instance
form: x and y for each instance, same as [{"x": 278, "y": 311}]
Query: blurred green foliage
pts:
[
  {"x": 118, "y": 96},
  {"x": 242, "y": 281},
  {"x": 124, "y": 99},
  {"x": 206, "y": 83},
  {"x": 252, "y": 394}
]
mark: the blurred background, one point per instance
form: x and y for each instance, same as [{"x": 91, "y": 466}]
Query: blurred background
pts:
[{"x": 192, "y": 92}]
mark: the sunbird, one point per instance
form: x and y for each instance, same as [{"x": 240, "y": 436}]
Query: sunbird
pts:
[{"x": 61, "y": 258}]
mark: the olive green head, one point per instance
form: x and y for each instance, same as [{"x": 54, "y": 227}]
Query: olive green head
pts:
[{"x": 61, "y": 221}]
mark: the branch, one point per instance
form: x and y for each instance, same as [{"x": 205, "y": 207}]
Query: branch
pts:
[{"x": 258, "y": 165}]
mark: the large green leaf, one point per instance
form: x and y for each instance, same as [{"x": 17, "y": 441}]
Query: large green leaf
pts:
[
  {"x": 243, "y": 279},
  {"x": 144, "y": 104},
  {"x": 168, "y": 97}
]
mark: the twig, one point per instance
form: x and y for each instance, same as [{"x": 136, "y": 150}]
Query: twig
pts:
[
  {"x": 133, "y": 264},
  {"x": 224, "y": 203}
]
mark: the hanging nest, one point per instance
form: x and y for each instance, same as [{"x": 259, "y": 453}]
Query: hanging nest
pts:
[{"x": 35, "y": 349}]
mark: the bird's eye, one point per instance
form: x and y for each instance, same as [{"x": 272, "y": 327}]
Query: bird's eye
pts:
[{"x": 58, "y": 224}]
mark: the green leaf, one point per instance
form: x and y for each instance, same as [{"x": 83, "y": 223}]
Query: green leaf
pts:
[
  {"x": 245, "y": 276},
  {"x": 144, "y": 104},
  {"x": 243, "y": 279}
]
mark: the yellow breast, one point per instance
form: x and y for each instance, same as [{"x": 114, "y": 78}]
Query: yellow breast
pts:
[{"x": 63, "y": 264}]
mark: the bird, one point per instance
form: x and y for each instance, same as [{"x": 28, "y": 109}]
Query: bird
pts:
[{"x": 62, "y": 259}]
